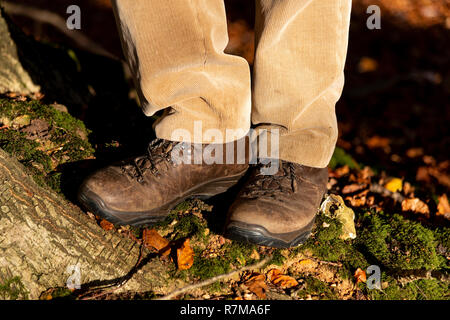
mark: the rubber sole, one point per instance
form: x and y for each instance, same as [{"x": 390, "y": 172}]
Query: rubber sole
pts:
[
  {"x": 93, "y": 203},
  {"x": 259, "y": 235}
]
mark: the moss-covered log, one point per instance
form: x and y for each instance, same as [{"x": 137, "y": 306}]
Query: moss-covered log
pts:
[{"x": 41, "y": 235}]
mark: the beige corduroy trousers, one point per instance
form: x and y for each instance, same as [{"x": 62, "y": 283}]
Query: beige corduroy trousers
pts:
[{"x": 175, "y": 49}]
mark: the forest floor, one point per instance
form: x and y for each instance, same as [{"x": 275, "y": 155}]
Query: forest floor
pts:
[{"x": 390, "y": 169}]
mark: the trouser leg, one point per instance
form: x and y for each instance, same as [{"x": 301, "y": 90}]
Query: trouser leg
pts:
[
  {"x": 175, "y": 51},
  {"x": 298, "y": 74}
]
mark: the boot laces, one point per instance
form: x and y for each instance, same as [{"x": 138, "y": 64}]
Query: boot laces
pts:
[
  {"x": 285, "y": 181},
  {"x": 157, "y": 151}
]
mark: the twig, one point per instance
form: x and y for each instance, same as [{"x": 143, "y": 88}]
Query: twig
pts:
[
  {"x": 407, "y": 276},
  {"x": 206, "y": 282},
  {"x": 115, "y": 287},
  {"x": 376, "y": 188},
  {"x": 334, "y": 264}
]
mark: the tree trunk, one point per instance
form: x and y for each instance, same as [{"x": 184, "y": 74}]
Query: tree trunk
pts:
[
  {"x": 13, "y": 77},
  {"x": 41, "y": 235},
  {"x": 27, "y": 67}
]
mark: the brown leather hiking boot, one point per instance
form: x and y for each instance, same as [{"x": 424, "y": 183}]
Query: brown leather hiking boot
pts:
[
  {"x": 277, "y": 210},
  {"x": 144, "y": 189}
]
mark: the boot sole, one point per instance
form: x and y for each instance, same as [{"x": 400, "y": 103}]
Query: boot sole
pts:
[
  {"x": 93, "y": 203},
  {"x": 259, "y": 235}
]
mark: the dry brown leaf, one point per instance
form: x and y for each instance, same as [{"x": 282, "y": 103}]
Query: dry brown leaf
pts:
[
  {"x": 379, "y": 142},
  {"x": 276, "y": 277},
  {"x": 359, "y": 199},
  {"x": 152, "y": 239},
  {"x": 367, "y": 64},
  {"x": 414, "y": 152},
  {"x": 360, "y": 275},
  {"x": 256, "y": 284},
  {"x": 408, "y": 189},
  {"x": 415, "y": 205},
  {"x": 342, "y": 171},
  {"x": 443, "y": 206},
  {"x": 106, "y": 225},
  {"x": 351, "y": 188},
  {"x": 185, "y": 256}
]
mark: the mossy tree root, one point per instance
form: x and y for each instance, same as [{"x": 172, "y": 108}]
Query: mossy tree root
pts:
[{"x": 41, "y": 235}]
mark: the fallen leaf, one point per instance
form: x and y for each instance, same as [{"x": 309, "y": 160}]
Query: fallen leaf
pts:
[
  {"x": 185, "y": 256},
  {"x": 256, "y": 284},
  {"x": 152, "y": 239},
  {"x": 276, "y": 277},
  {"x": 394, "y": 185},
  {"x": 106, "y": 225},
  {"x": 360, "y": 275},
  {"x": 306, "y": 262},
  {"x": 22, "y": 121},
  {"x": 443, "y": 206},
  {"x": 414, "y": 152},
  {"x": 359, "y": 199},
  {"x": 367, "y": 64},
  {"x": 379, "y": 142},
  {"x": 415, "y": 205},
  {"x": 351, "y": 188},
  {"x": 408, "y": 189},
  {"x": 342, "y": 171}
]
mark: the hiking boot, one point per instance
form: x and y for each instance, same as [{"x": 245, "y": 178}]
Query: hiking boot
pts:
[
  {"x": 277, "y": 210},
  {"x": 144, "y": 190}
]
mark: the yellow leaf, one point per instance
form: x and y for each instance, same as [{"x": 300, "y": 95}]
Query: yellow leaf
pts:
[
  {"x": 394, "y": 185},
  {"x": 305, "y": 262},
  {"x": 185, "y": 256}
]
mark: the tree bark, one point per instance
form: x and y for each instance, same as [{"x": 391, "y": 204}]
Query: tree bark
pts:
[
  {"x": 13, "y": 76},
  {"x": 28, "y": 67},
  {"x": 41, "y": 235}
]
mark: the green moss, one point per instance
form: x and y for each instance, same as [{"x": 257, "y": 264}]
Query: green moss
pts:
[
  {"x": 188, "y": 227},
  {"x": 238, "y": 253},
  {"x": 207, "y": 268},
  {"x": 235, "y": 255},
  {"x": 13, "y": 289},
  {"x": 423, "y": 289},
  {"x": 25, "y": 150},
  {"x": 277, "y": 258},
  {"x": 397, "y": 243},
  {"x": 341, "y": 158},
  {"x": 62, "y": 293},
  {"x": 326, "y": 245},
  {"x": 316, "y": 287},
  {"x": 65, "y": 141}
]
